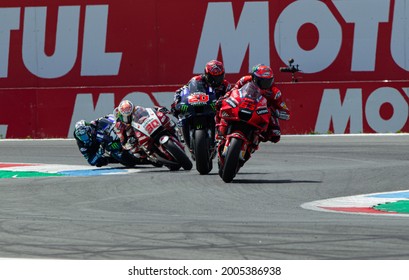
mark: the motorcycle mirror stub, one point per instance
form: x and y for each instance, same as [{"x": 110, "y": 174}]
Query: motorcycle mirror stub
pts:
[
  {"x": 164, "y": 139},
  {"x": 231, "y": 102}
]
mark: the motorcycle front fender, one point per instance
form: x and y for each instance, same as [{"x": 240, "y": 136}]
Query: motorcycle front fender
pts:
[
  {"x": 237, "y": 135},
  {"x": 164, "y": 139}
]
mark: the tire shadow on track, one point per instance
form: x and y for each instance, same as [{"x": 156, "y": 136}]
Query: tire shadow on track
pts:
[{"x": 261, "y": 181}]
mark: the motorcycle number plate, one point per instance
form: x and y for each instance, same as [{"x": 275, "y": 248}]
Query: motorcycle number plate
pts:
[
  {"x": 150, "y": 125},
  {"x": 198, "y": 98},
  {"x": 248, "y": 104}
]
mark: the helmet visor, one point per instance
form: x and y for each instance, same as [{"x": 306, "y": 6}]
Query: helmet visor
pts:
[
  {"x": 215, "y": 81},
  {"x": 84, "y": 138},
  {"x": 265, "y": 83},
  {"x": 83, "y": 135}
]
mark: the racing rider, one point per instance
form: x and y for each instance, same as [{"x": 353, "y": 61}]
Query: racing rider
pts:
[
  {"x": 124, "y": 114},
  {"x": 263, "y": 77},
  {"x": 213, "y": 79},
  {"x": 90, "y": 148}
]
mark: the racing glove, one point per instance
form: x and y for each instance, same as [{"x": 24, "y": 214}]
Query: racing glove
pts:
[
  {"x": 132, "y": 141},
  {"x": 96, "y": 158},
  {"x": 163, "y": 110},
  {"x": 282, "y": 115}
]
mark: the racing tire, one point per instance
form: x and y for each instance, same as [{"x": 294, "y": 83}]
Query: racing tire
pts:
[
  {"x": 156, "y": 164},
  {"x": 202, "y": 152},
  {"x": 128, "y": 160},
  {"x": 174, "y": 167},
  {"x": 231, "y": 161},
  {"x": 179, "y": 155},
  {"x": 220, "y": 168}
]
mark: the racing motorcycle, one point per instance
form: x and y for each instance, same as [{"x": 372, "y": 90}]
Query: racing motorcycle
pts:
[
  {"x": 110, "y": 141},
  {"x": 246, "y": 113},
  {"x": 197, "y": 111},
  {"x": 158, "y": 140}
]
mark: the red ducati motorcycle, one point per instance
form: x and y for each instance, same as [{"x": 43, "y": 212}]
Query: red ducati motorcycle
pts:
[{"x": 246, "y": 113}]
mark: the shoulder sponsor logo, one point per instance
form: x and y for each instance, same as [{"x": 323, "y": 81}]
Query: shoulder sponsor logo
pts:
[
  {"x": 245, "y": 111},
  {"x": 262, "y": 111}
]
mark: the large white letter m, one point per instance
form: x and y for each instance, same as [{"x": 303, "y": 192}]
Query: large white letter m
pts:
[{"x": 219, "y": 31}]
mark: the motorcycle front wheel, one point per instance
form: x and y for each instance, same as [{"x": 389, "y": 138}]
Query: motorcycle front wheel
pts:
[
  {"x": 231, "y": 161},
  {"x": 202, "y": 152},
  {"x": 179, "y": 155}
]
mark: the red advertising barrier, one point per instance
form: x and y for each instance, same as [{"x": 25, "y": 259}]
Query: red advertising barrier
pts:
[
  {"x": 56, "y": 55},
  {"x": 354, "y": 107},
  {"x": 360, "y": 107}
]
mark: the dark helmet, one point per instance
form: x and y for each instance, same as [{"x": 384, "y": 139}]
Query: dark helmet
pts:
[
  {"x": 262, "y": 76},
  {"x": 214, "y": 73},
  {"x": 83, "y": 132}
]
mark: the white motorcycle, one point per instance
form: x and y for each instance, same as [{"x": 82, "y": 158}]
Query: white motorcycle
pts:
[{"x": 156, "y": 135}]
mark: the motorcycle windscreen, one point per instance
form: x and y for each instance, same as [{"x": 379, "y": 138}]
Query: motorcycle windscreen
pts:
[
  {"x": 196, "y": 98},
  {"x": 140, "y": 115},
  {"x": 250, "y": 90},
  {"x": 250, "y": 98}
]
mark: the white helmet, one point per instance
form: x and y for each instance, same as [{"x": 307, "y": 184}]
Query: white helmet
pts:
[{"x": 125, "y": 110}]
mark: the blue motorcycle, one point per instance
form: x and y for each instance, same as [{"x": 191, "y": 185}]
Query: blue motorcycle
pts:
[
  {"x": 109, "y": 140},
  {"x": 196, "y": 118}
]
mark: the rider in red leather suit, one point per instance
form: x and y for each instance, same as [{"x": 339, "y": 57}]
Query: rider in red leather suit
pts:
[{"x": 263, "y": 77}]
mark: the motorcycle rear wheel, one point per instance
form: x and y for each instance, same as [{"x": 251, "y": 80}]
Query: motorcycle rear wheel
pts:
[{"x": 231, "y": 162}]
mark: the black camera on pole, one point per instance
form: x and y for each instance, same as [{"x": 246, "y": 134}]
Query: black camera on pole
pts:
[{"x": 291, "y": 69}]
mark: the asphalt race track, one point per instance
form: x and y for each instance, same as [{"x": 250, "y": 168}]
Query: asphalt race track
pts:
[{"x": 158, "y": 214}]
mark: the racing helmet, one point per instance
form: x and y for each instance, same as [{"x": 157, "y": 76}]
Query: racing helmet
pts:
[
  {"x": 125, "y": 110},
  {"x": 262, "y": 76},
  {"x": 115, "y": 113},
  {"x": 214, "y": 73},
  {"x": 83, "y": 132}
]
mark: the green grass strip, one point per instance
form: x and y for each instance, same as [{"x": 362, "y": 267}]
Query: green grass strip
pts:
[
  {"x": 401, "y": 206},
  {"x": 25, "y": 174}
]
